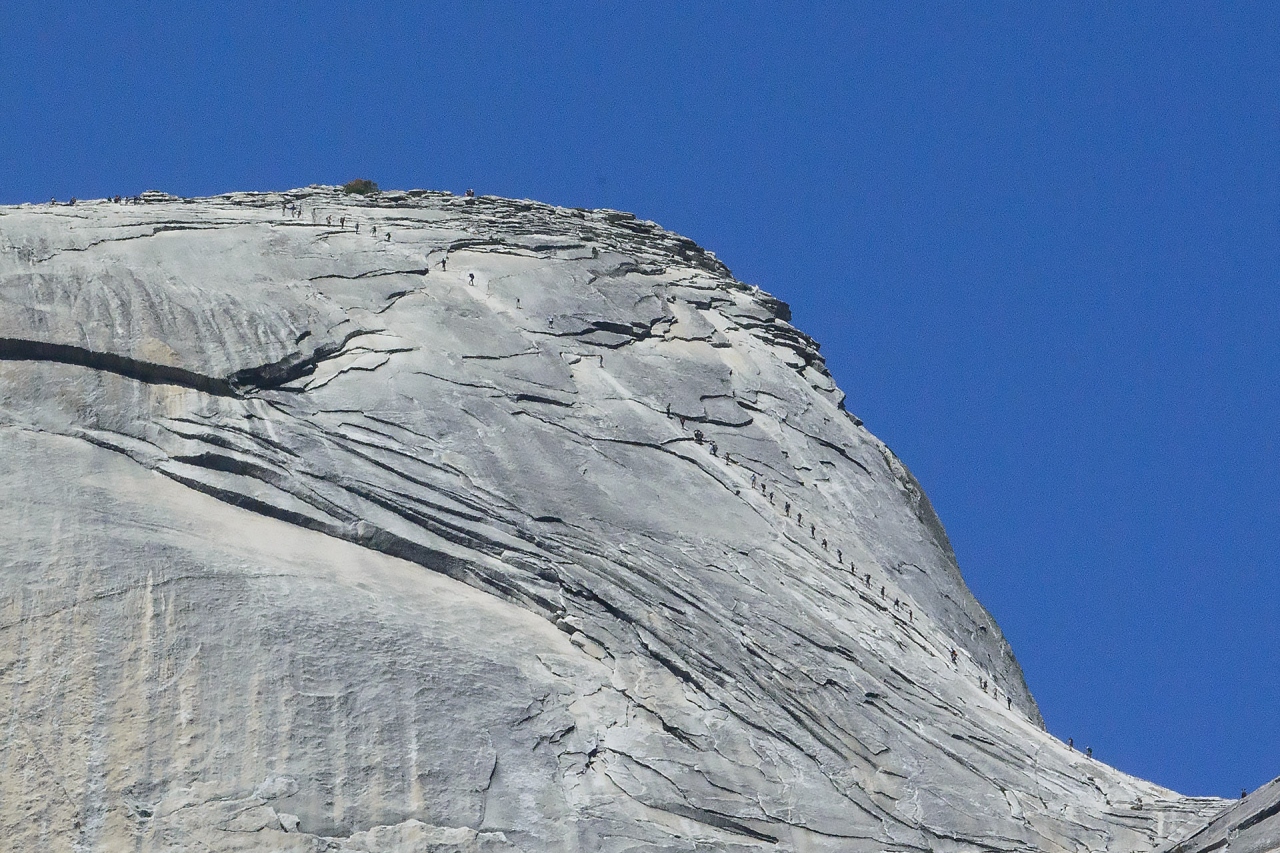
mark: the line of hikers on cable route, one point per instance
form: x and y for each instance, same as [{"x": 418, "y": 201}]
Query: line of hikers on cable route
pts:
[{"x": 758, "y": 482}]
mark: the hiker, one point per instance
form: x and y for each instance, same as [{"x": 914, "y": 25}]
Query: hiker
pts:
[
  {"x": 868, "y": 580},
  {"x": 328, "y": 220},
  {"x": 388, "y": 236},
  {"x": 471, "y": 193},
  {"x": 897, "y": 604},
  {"x": 953, "y": 655},
  {"x": 342, "y": 222},
  {"x": 824, "y": 544},
  {"x": 714, "y": 448},
  {"x": 1243, "y": 793},
  {"x": 444, "y": 264},
  {"x": 911, "y": 615},
  {"x": 284, "y": 206},
  {"x": 471, "y": 278},
  {"x": 357, "y": 227},
  {"x": 882, "y": 595},
  {"x": 984, "y": 685},
  {"x": 753, "y": 476},
  {"x": 697, "y": 436},
  {"x": 786, "y": 507},
  {"x": 771, "y": 499},
  {"x": 813, "y": 532},
  {"x": 517, "y": 301},
  {"x": 799, "y": 517},
  {"x": 375, "y": 230},
  {"x": 1008, "y": 701},
  {"x": 1071, "y": 743},
  {"x": 1088, "y": 752},
  {"x": 839, "y": 556}
]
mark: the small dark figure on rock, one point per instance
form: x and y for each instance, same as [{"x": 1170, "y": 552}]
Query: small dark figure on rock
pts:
[
  {"x": 824, "y": 544},
  {"x": 471, "y": 278},
  {"x": 1088, "y": 752},
  {"x": 697, "y": 436},
  {"x": 786, "y": 507},
  {"x": 714, "y": 448},
  {"x": 444, "y": 264},
  {"x": 953, "y": 655},
  {"x": 471, "y": 193}
]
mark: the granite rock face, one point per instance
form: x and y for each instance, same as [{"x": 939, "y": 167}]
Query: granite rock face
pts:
[
  {"x": 488, "y": 526},
  {"x": 1252, "y": 825}
]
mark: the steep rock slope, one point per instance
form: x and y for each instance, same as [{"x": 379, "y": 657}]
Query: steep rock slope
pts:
[
  {"x": 1252, "y": 825},
  {"x": 489, "y": 525}
]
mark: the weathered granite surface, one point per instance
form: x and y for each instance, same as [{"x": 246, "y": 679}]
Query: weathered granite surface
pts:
[
  {"x": 1252, "y": 825},
  {"x": 314, "y": 541}
]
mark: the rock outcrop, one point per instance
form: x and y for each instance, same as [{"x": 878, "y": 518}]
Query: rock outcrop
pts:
[
  {"x": 1252, "y": 825},
  {"x": 490, "y": 525}
]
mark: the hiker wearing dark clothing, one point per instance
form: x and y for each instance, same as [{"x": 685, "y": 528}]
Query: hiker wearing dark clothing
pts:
[
  {"x": 813, "y": 532},
  {"x": 953, "y": 656},
  {"x": 786, "y": 507},
  {"x": 342, "y": 222},
  {"x": 471, "y": 193},
  {"x": 882, "y": 595},
  {"x": 753, "y": 476},
  {"x": 1088, "y": 752},
  {"x": 1008, "y": 701},
  {"x": 388, "y": 236},
  {"x": 1071, "y": 743},
  {"x": 697, "y": 436},
  {"x": 799, "y": 517},
  {"x": 824, "y": 544},
  {"x": 357, "y": 227},
  {"x": 868, "y": 580},
  {"x": 375, "y": 230},
  {"x": 839, "y": 556},
  {"x": 714, "y": 448},
  {"x": 444, "y": 264},
  {"x": 471, "y": 278}
]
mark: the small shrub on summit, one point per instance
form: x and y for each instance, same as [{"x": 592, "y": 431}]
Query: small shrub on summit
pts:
[{"x": 360, "y": 186}]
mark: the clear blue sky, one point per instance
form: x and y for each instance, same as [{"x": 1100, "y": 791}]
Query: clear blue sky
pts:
[{"x": 1038, "y": 243}]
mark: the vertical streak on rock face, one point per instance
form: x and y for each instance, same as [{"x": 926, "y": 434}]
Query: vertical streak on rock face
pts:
[{"x": 315, "y": 542}]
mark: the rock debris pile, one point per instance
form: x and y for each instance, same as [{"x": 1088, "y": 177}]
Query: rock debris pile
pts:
[{"x": 413, "y": 522}]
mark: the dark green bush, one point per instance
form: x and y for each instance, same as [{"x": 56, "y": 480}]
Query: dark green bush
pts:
[{"x": 360, "y": 186}]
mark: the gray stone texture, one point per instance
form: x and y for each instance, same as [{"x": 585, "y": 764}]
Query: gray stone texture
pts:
[{"x": 316, "y": 542}]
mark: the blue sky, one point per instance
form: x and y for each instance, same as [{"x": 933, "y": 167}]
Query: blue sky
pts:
[{"x": 1038, "y": 243}]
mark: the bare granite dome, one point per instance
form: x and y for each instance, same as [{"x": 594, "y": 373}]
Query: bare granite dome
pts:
[{"x": 424, "y": 523}]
